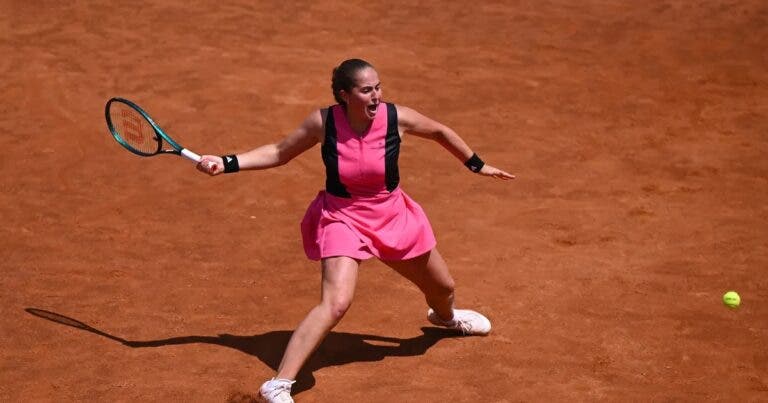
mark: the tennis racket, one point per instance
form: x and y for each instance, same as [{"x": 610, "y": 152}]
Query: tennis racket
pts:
[{"x": 138, "y": 133}]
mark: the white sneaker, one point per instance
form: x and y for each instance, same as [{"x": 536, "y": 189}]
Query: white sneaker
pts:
[
  {"x": 469, "y": 323},
  {"x": 276, "y": 391}
]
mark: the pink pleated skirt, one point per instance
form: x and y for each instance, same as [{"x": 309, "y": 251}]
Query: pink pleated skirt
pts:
[{"x": 389, "y": 226}]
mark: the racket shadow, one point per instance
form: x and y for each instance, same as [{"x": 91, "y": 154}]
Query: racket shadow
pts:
[{"x": 338, "y": 348}]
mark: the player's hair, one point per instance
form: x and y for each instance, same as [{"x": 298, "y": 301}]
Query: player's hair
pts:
[{"x": 343, "y": 77}]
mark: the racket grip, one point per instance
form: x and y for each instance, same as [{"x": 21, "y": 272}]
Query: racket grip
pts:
[{"x": 191, "y": 155}]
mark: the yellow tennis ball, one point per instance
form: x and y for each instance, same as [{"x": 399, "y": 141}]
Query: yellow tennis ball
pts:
[{"x": 731, "y": 299}]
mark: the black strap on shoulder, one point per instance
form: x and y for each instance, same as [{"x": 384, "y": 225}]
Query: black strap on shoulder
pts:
[
  {"x": 392, "y": 151},
  {"x": 330, "y": 154}
]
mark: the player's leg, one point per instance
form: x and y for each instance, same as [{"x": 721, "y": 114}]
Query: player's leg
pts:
[
  {"x": 338, "y": 289},
  {"x": 429, "y": 273}
]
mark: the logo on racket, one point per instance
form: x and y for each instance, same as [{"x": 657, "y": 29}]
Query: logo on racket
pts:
[{"x": 132, "y": 125}]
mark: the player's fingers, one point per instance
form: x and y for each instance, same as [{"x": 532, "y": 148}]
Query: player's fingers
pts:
[
  {"x": 499, "y": 174},
  {"x": 506, "y": 175},
  {"x": 207, "y": 166},
  {"x": 201, "y": 167}
]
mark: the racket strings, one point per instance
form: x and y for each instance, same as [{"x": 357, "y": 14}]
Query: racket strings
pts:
[{"x": 134, "y": 129}]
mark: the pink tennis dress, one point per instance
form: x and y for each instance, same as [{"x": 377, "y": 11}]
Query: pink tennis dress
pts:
[{"x": 363, "y": 212}]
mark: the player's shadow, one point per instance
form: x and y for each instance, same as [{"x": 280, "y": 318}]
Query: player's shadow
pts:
[{"x": 337, "y": 349}]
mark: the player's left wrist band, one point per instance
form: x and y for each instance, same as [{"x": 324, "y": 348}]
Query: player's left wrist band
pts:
[
  {"x": 474, "y": 163},
  {"x": 230, "y": 163}
]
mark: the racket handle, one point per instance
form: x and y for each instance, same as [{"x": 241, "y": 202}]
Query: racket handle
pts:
[{"x": 191, "y": 155}]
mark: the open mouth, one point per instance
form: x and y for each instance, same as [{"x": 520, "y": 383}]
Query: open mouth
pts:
[{"x": 373, "y": 108}]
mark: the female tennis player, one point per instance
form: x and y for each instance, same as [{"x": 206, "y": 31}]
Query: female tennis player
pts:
[{"x": 362, "y": 213}]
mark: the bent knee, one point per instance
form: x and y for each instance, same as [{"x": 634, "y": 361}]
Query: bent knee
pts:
[{"x": 337, "y": 307}]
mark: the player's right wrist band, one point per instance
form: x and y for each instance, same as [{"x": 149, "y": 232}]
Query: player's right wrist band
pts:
[
  {"x": 474, "y": 163},
  {"x": 230, "y": 163}
]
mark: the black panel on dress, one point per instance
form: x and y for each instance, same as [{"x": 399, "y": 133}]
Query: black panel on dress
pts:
[
  {"x": 392, "y": 152},
  {"x": 330, "y": 154}
]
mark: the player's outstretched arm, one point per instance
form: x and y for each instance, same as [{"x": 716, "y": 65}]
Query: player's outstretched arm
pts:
[
  {"x": 413, "y": 122},
  {"x": 270, "y": 155}
]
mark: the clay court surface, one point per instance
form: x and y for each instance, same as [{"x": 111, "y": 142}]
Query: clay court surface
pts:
[{"x": 638, "y": 132}]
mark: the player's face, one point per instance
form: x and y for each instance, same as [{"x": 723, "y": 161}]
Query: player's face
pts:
[{"x": 364, "y": 98}]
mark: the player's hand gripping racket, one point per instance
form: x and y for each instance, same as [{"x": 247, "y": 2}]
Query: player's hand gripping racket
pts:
[{"x": 138, "y": 133}]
